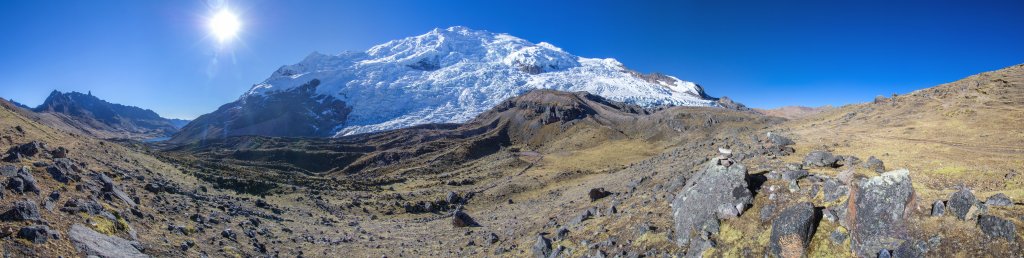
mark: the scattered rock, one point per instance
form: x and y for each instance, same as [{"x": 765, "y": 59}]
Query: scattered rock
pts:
[
  {"x": 694, "y": 209},
  {"x": 792, "y": 175},
  {"x": 23, "y": 182},
  {"x": 37, "y": 234},
  {"x": 834, "y": 189},
  {"x": 461, "y": 219},
  {"x": 453, "y": 198},
  {"x": 492, "y": 238},
  {"x": 877, "y": 211},
  {"x": 561, "y": 233},
  {"x": 938, "y": 208},
  {"x": 884, "y": 253},
  {"x": 779, "y": 140},
  {"x": 961, "y": 202},
  {"x": 64, "y": 170},
  {"x": 542, "y": 248},
  {"x": 911, "y": 248},
  {"x": 227, "y": 233},
  {"x": 111, "y": 191},
  {"x": 875, "y": 164},
  {"x": 93, "y": 243},
  {"x": 822, "y": 159},
  {"x": 767, "y": 212},
  {"x": 59, "y": 153},
  {"x": 999, "y": 199},
  {"x": 598, "y": 193},
  {"x": 792, "y": 231},
  {"x": 997, "y": 227},
  {"x": 27, "y": 150},
  {"x": 22, "y": 211},
  {"x": 837, "y": 236},
  {"x": 585, "y": 215},
  {"x": 9, "y": 170}
]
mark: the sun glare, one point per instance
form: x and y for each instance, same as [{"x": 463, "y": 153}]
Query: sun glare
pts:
[{"x": 225, "y": 25}]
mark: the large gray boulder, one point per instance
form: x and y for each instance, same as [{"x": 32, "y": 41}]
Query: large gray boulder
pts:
[
  {"x": 695, "y": 207},
  {"x": 960, "y": 203},
  {"x": 877, "y": 212},
  {"x": 792, "y": 231},
  {"x": 997, "y": 227},
  {"x": 92, "y": 243}
]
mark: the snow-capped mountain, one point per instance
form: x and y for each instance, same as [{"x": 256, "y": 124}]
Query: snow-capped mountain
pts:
[{"x": 444, "y": 76}]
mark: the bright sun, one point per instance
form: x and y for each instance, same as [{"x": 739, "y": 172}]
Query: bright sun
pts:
[{"x": 224, "y": 25}]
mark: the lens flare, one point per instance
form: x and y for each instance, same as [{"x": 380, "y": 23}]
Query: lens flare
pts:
[{"x": 225, "y": 25}]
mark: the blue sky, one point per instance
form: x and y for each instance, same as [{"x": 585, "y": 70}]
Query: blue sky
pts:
[{"x": 159, "y": 54}]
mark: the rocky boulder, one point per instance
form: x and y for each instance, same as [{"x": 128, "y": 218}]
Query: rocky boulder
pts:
[
  {"x": 37, "y": 234},
  {"x": 542, "y": 248},
  {"x": 961, "y": 202},
  {"x": 93, "y": 243},
  {"x": 877, "y": 211},
  {"x": 27, "y": 150},
  {"x": 997, "y": 227},
  {"x": 64, "y": 170},
  {"x": 23, "y": 182},
  {"x": 695, "y": 208},
  {"x": 998, "y": 199},
  {"x": 22, "y": 211},
  {"x": 822, "y": 159},
  {"x": 461, "y": 219},
  {"x": 792, "y": 231},
  {"x": 598, "y": 193}
]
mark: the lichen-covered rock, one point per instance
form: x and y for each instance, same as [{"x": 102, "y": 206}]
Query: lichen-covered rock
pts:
[
  {"x": 877, "y": 212},
  {"x": 960, "y": 203},
  {"x": 998, "y": 199},
  {"x": 792, "y": 231},
  {"x": 998, "y": 227},
  {"x": 694, "y": 208}
]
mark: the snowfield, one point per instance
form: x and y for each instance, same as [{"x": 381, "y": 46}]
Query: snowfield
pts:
[{"x": 451, "y": 75}]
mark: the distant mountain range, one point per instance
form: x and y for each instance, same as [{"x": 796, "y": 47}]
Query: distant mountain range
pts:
[
  {"x": 444, "y": 76},
  {"x": 86, "y": 114}
]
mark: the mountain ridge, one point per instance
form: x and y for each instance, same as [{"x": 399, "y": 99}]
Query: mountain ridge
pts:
[{"x": 444, "y": 76}]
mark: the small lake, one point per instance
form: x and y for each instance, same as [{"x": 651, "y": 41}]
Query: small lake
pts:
[{"x": 157, "y": 139}]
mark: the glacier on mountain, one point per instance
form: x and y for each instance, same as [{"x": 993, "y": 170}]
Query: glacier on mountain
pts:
[{"x": 451, "y": 75}]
